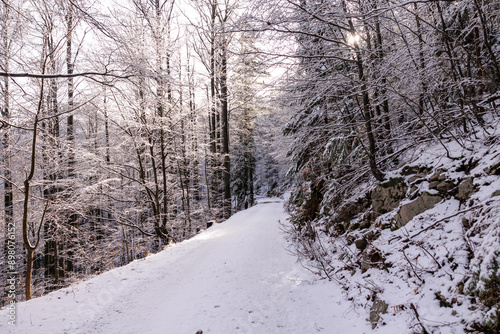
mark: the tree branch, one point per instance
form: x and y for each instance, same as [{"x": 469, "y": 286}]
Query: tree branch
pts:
[{"x": 72, "y": 75}]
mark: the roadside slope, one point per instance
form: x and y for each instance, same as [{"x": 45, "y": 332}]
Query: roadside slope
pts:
[{"x": 236, "y": 277}]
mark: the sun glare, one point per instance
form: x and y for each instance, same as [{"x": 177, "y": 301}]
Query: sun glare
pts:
[{"x": 353, "y": 39}]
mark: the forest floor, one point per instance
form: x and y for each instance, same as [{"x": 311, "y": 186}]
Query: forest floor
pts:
[{"x": 235, "y": 277}]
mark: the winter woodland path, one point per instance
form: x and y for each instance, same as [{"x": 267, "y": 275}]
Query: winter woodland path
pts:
[{"x": 236, "y": 277}]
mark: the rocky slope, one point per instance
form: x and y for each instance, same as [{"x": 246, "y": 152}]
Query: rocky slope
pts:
[{"x": 419, "y": 251}]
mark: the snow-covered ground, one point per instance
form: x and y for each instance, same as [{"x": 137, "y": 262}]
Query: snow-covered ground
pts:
[{"x": 236, "y": 277}]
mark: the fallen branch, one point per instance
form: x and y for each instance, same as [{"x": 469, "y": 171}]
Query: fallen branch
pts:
[
  {"x": 411, "y": 266},
  {"x": 424, "y": 331},
  {"x": 446, "y": 218}
]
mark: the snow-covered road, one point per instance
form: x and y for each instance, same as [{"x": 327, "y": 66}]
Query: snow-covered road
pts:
[{"x": 236, "y": 277}]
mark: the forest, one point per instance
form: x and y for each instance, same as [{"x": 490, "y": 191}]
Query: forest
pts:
[
  {"x": 130, "y": 125},
  {"x": 117, "y": 121}
]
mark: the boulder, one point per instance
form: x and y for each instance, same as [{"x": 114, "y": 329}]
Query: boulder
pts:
[
  {"x": 413, "y": 190},
  {"x": 409, "y": 170},
  {"x": 371, "y": 258},
  {"x": 349, "y": 210},
  {"x": 465, "y": 189},
  {"x": 361, "y": 244},
  {"x": 386, "y": 196},
  {"x": 433, "y": 184},
  {"x": 416, "y": 177},
  {"x": 444, "y": 186},
  {"x": 423, "y": 203},
  {"x": 440, "y": 183},
  {"x": 379, "y": 307},
  {"x": 372, "y": 235},
  {"x": 436, "y": 176},
  {"x": 350, "y": 239}
]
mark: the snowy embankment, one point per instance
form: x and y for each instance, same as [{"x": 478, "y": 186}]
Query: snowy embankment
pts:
[
  {"x": 420, "y": 251},
  {"x": 236, "y": 277}
]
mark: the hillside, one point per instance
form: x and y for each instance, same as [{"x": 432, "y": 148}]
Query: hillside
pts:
[{"x": 418, "y": 251}]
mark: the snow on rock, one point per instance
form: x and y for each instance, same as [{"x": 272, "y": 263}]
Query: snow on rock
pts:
[{"x": 236, "y": 277}]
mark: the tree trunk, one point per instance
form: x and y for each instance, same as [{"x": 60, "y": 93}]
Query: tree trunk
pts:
[
  {"x": 183, "y": 164},
  {"x": 225, "y": 133},
  {"x": 488, "y": 41},
  {"x": 5, "y": 140},
  {"x": 30, "y": 249},
  {"x": 383, "y": 92},
  {"x": 29, "y": 273},
  {"x": 106, "y": 129},
  {"x": 421, "y": 62},
  {"x": 213, "y": 111},
  {"x": 194, "y": 137},
  {"x": 70, "y": 70},
  {"x": 50, "y": 152},
  {"x": 366, "y": 112}
]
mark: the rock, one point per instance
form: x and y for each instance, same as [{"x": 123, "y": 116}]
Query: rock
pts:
[
  {"x": 423, "y": 203},
  {"x": 409, "y": 170},
  {"x": 433, "y": 184},
  {"x": 413, "y": 179},
  {"x": 351, "y": 209},
  {"x": 386, "y": 196},
  {"x": 364, "y": 224},
  {"x": 379, "y": 307},
  {"x": 494, "y": 169},
  {"x": 375, "y": 258},
  {"x": 435, "y": 176},
  {"x": 438, "y": 181},
  {"x": 496, "y": 193},
  {"x": 370, "y": 259},
  {"x": 465, "y": 189},
  {"x": 467, "y": 166},
  {"x": 416, "y": 177},
  {"x": 442, "y": 300},
  {"x": 372, "y": 235},
  {"x": 361, "y": 244},
  {"x": 444, "y": 186},
  {"x": 353, "y": 227},
  {"x": 368, "y": 217}
]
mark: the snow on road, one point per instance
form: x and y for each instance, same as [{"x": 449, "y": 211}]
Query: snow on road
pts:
[{"x": 236, "y": 277}]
